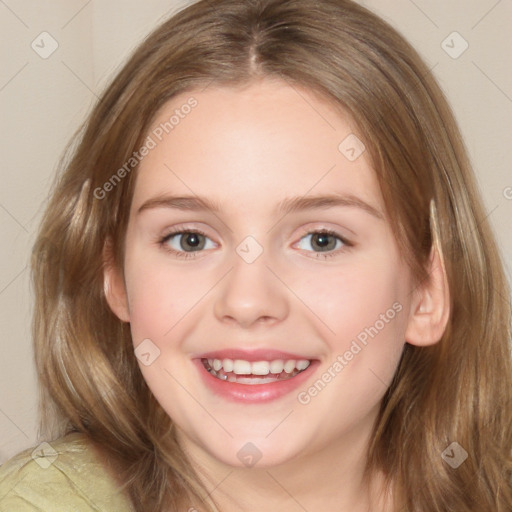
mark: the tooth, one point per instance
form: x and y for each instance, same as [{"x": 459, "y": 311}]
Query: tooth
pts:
[
  {"x": 260, "y": 368},
  {"x": 289, "y": 366},
  {"x": 241, "y": 367},
  {"x": 302, "y": 364},
  {"x": 276, "y": 366},
  {"x": 227, "y": 364}
]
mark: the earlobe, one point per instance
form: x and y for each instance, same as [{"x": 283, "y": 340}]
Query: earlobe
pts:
[
  {"x": 114, "y": 286},
  {"x": 430, "y": 309}
]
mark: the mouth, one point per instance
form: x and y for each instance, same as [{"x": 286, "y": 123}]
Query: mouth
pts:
[
  {"x": 256, "y": 372},
  {"x": 254, "y": 377}
]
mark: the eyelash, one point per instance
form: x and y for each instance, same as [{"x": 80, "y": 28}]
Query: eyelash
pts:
[{"x": 183, "y": 254}]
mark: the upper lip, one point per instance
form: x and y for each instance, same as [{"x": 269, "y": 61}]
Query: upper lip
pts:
[{"x": 252, "y": 355}]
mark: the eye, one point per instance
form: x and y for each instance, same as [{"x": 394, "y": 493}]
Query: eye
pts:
[
  {"x": 185, "y": 243},
  {"x": 326, "y": 241}
]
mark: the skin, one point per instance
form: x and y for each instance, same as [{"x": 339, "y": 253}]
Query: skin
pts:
[{"x": 249, "y": 148}]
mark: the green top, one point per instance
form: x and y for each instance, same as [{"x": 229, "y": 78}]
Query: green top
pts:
[{"x": 61, "y": 476}]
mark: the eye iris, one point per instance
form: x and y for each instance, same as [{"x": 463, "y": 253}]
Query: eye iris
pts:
[
  {"x": 323, "y": 241},
  {"x": 192, "y": 240}
]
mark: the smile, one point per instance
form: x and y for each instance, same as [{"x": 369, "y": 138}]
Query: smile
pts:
[
  {"x": 256, "y": 372},
  {"x": 254, "y": 376}
]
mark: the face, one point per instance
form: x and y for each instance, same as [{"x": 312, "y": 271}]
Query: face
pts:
[{"x": 258, "y": 248}]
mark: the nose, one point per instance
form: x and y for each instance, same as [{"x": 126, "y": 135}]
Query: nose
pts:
[{"x": 251, "y": 294}]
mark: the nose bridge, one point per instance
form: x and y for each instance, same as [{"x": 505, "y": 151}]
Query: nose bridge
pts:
[{"x": 250, "y": 291}]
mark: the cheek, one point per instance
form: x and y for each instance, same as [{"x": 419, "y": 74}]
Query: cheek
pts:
[
  {"x": 159, "y": 296},
  {"x": 364, "y": 308}
]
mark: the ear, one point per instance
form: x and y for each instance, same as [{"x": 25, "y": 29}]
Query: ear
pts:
[
  {"x": 114, "y": 285},
  {"x": 430, "y": 307}
]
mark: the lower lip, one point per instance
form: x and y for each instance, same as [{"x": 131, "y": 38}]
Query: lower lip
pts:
[{"x": 253, "y": 393}]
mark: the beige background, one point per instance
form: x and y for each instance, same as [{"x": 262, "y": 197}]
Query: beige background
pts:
[{"x": 43, "y": 101}]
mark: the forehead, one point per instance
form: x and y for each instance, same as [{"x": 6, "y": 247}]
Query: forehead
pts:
[{"x": 253, "y": 145}]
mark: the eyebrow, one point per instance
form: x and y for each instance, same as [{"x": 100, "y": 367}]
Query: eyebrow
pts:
[{"x": 288, "y": 205}]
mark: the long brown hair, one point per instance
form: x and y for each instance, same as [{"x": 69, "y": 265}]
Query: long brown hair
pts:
[{"x": 458, "y": 390}]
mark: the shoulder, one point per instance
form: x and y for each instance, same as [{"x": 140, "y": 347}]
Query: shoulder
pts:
[{"x": 64, "y": 474}]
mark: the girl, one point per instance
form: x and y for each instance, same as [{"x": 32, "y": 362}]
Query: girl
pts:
[{"x": 264, "y": 282}]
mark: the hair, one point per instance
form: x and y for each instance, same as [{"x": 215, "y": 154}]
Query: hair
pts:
[{"x": 457, "y": 390}]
